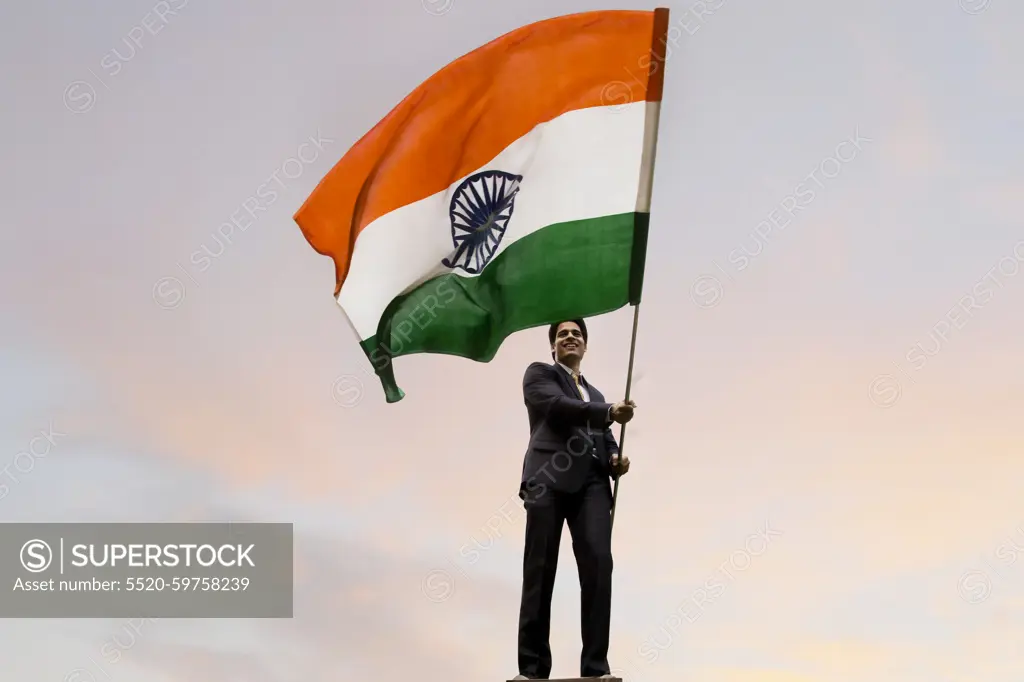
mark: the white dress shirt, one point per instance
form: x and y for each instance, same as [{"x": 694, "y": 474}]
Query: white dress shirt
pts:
[
  {"x": 585, "y": 393},
  {"x": 583, "y": 389}
]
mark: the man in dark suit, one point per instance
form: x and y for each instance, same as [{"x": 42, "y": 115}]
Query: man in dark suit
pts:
[{"x": 565, "y": 478}]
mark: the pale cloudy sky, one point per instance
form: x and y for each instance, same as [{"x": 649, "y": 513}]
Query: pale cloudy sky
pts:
[{"x": 833, "y": 390}]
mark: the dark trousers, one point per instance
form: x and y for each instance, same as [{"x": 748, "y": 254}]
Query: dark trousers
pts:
[{"x": 588, "y": 513}]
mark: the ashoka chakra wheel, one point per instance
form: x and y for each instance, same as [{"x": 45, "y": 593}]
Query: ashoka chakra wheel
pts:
[{"x": 480, "y": 209}]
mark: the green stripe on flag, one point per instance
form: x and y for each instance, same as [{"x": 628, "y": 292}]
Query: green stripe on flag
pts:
[{"x": 575, "y": 269}]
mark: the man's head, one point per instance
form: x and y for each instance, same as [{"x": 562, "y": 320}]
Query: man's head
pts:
[{"x": 568, "y": 342}]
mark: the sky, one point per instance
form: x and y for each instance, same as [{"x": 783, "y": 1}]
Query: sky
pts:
[{"x": 826, "y": 452}]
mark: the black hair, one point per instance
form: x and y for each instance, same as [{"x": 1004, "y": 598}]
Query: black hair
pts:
[{"x": 553, "y": 330}]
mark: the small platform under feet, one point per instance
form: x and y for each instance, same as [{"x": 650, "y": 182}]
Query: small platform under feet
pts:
[{"x": 579, "y": 679}]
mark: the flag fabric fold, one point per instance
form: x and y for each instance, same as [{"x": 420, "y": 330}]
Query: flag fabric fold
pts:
[{"x": 509, "y": 190}]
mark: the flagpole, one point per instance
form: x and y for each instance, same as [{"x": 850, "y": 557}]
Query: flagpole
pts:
[
  {"x": 655, "y": 90},
  {"x": 622, "y": 431}
]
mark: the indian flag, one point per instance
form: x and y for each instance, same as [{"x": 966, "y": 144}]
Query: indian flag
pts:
[{"x": 509, "y": 190}]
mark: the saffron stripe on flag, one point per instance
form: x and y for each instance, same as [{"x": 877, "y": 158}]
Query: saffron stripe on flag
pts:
[{"x": 466, "y": 113}]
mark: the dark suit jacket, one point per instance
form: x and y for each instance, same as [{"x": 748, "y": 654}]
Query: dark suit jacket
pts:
[{"x": 561, "y": 446}]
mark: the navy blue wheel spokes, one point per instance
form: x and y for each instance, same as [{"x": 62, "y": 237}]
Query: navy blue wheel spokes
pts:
[{"x": 480, "y": 209}]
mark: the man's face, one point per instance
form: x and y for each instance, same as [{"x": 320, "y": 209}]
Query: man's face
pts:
[{"x": 569, "y": 343}]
